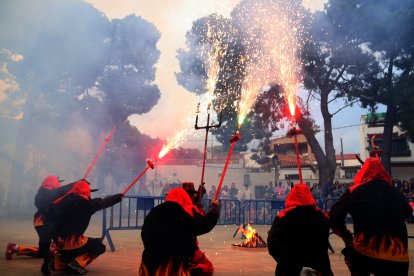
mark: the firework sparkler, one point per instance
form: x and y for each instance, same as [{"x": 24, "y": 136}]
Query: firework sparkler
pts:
[{"x": 151, "y": 164}]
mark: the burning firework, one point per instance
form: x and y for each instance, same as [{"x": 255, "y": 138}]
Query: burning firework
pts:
[
  {"x": 274, "y": 35},
  {"x": 212, "y": 52},
  {"x": 251, "y": 238}
]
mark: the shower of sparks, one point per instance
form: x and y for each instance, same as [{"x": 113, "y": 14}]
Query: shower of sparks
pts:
[
  {"x": 272, "y": 34},
  {"x": 216, "y": 52},
  {"x": 275, "y": 34},
  {"x": 179, "y": 137},
  {"x": 249, "y": 93},
  {"x": 213, "y": 53}
]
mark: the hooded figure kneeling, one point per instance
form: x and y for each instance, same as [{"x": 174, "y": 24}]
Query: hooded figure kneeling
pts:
[
  {"x": 298, "y": 238},
  {"x": 168, "y": 234},
  {"x": 70, "y": 215},
  {"x": 379, "y": 244}
]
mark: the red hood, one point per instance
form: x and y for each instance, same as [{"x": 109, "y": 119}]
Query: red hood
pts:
[
  {"x": 81, "y": 188},
  {"x": 50, "y": 182},
  {"x": 180, "y": 196},
  {"x": 372, "y": 169},
  {"x": 300, "y": 195}
]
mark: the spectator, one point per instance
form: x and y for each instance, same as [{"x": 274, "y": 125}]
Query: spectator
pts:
[
  {"x": 337, "y": 191},
  {"x": 247, "y": 193},
  {"x": 328, "y": 190},
  {"x": 411, "y": 203},
  {"x": 233, "y": 191},
  {"x": 224, "y": 193},
  {"x": 269, "y": 191},
  {"x": 405, "y": 188},
  {"x": 212, "y": 191},
  {"x": 280, "y": 191},
  {"x": 165, "y": 189},
  {"x": 397, "y": 182},
  {"x": 289, "y": 186},
  {"x": 412, "y": 184}
]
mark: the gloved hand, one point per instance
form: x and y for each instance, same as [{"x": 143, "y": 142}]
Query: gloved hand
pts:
[
  {"x": 215, "y": 202},
  {"x": 118, "y": 197},
  {"x": 204, "y": 191}
]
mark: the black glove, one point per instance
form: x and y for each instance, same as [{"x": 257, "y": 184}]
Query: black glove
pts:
[
  {"x": 349, "y": 254},
  {"x": 118, "y": 197},
  {"x": 204, "y": 191}
]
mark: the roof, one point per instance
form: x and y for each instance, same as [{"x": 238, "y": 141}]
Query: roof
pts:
[{"x": 347, "y": 156}]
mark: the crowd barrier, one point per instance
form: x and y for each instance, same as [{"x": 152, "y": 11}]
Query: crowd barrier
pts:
[{"x": 130, "y": 213}]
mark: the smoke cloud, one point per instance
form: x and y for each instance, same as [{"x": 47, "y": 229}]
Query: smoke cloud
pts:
[{"x": 68, "y": 75}]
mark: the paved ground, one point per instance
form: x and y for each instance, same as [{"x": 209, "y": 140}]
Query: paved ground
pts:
[{"x": 227, "y": 260}]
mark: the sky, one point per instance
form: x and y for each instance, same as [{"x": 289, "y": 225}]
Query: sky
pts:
[{"x": 173, "y": 18}]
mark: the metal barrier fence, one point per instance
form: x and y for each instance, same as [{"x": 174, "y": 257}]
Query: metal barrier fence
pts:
[{"x": 130, "y": 213}]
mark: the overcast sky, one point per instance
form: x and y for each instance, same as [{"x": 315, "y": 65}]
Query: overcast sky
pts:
[{"x": 173, "y": 18}]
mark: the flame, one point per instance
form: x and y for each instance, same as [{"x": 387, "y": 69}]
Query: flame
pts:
[
  {"x": 249, "y": 233},
  {"x": 292, "y": 104},
  {"x": 252, "y": 238}
]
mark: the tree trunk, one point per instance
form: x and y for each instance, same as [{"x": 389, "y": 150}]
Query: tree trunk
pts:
[
  {"x": 327, "y": 121},
  {"x": 326, "y": 174},
  {"x": 390, "y": 119}
]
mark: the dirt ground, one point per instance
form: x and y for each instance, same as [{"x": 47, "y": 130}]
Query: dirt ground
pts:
[{"x": 125, "y": 260}]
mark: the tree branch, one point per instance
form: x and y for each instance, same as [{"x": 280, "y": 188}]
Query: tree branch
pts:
[{"x": 345, "y": 106}]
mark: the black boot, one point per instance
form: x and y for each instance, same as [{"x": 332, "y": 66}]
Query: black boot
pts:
[{"x": 76, "y": 267}]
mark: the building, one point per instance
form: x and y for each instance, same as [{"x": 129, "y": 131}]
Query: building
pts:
[{"x": 402, "y": 159}]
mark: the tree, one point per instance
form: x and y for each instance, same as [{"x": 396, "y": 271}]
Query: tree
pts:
[
  {"x": 333, "y": 69},
  {"x": 210, "y": 35},
  {"x": 384, "y": 30},
  {"x": 79, "y": 75}
]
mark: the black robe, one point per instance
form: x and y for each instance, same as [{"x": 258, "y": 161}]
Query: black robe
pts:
[
  {"x": 168, "y": 236},
  {"x": 378, "y": 211},
  {"x": 71, "y": 216},
  {"x": 300, "y": 239}
]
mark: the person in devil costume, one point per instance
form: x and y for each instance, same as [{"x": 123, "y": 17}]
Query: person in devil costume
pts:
[
  {"x": 168, "y": 234},
  {"x": 70, "y": 216},
  {"x": 49, "y": 190},
  {"x": 379, "y": 243},
  {"x": 199, "y": 263},
  {"x": 298, "y": 238}
]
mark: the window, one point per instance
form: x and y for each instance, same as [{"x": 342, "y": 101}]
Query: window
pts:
[
  {"x": 292, "y": 176},
  {"x": 259, "y": 192},
  {"x": 399, "y": 146},
  {"x": 246, "y": 180},
  {"x": 350, "y": 174}
]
